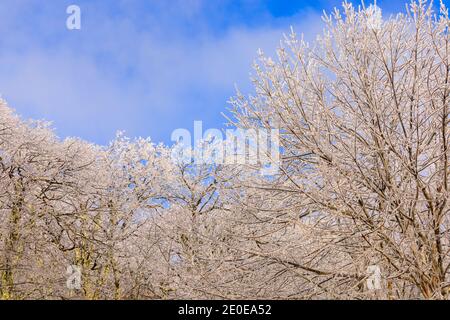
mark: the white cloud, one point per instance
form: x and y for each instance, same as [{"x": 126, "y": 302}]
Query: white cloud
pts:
[{"x": 122, "y": 73}]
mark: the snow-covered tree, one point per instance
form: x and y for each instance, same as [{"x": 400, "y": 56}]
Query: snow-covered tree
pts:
[
  {"x": 364, "y": 116},
  {"x": 361, "y": 191}
]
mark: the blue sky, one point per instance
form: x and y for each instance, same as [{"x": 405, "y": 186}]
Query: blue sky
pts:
[{"x": 146, "y": 67}]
